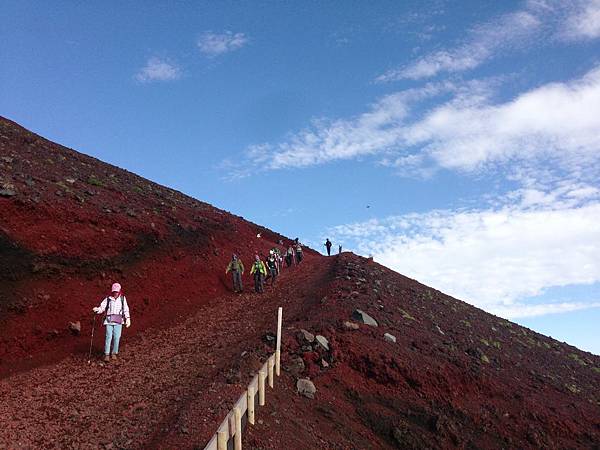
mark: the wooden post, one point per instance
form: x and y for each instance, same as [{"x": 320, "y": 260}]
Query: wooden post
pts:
[
  {"x": 221, "y": 440},
  {"x": 278, "y": 347},
  {"x": 261, "y": 387},
  {"x": 270, "y": 364},
  {"x": 251, "y": 405},
  {"x": 238, "y": 429}
]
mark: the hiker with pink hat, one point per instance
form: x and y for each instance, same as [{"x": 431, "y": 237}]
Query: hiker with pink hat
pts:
[{"x": 116, "y": 314}]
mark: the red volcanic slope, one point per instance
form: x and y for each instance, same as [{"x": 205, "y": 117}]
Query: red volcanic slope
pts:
[
  {"x": 456, "y": 377},
  {"x": 71, "y": 225}
]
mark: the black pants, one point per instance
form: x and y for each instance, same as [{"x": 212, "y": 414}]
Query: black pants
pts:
[
  {"x": 273, "y": 274},
  {"x": 329, "y": 250},
  {"x": 288, "y": 260},
  {"x": 298, "y": 257},
  {"x": 258, "y": 282}
]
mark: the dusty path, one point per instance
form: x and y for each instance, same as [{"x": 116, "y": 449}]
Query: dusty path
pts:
[{"x": 169, "y": 389}]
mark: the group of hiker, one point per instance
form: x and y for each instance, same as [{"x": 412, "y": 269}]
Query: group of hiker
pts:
[
  {"x": 264, "y": 269},
  {"x": 116, "y": 310}
]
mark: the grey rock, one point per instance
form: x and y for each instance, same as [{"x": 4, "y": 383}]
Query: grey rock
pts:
[
  {"x": 323, "y": 342},
  {"x": 363, "y": 317},
  {"x": 296, "y": 366},
  {"x": 306, "y": 336},
  {"x": 351, "y": 325},
  {"x": 306, "y": 387},
  {"x": 389, "y": 337},
  {"x": 75, "y": 327},
  {"x": 7, "y": 193}
]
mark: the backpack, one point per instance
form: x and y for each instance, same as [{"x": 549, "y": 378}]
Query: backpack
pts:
[{"x": 122, "y": 314}]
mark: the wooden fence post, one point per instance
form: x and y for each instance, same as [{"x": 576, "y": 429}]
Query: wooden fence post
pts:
[
  {"x": 222, "y": 440},
  {"x": 251, "y": 405},
  {"x": 238, "y": 429},
  {"x": 270, "y": 370},
  {"x": 261, "y": 387},
  {"x": 278, "y": 347}
]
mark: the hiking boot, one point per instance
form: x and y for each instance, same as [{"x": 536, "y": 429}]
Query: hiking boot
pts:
[
  {"x": 114, "y": 356},
  {"x": 106, "y": 358}
]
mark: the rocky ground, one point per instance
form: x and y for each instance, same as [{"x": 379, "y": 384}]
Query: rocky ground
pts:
[{"x": 371, "y": 359}]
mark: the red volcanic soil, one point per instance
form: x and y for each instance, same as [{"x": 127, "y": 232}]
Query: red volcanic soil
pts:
[{"x": 70, "y": 225}]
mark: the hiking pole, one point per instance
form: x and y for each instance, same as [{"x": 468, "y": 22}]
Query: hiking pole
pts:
[{"x": 92, "y": 339}]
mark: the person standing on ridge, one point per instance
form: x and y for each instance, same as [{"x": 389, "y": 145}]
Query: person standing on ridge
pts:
[
  {"x": 328, "y": 244},
  {"x": 117, "y": 314},
  {"x": 340, "y": 249},
  {"x": 237, "y": 270},
  {"x": 259, "y": 271}
]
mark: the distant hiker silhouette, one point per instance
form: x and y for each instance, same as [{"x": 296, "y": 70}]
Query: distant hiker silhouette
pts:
[
  {"x": 328, "y": 244},
  {"x": 237, "y": 270},
  {"x": 340, "y": 250},
  {"x": 117, "y": 313}
]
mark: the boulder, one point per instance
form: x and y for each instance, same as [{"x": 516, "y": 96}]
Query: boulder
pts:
[
  {"x": 323, "y": 342},
  {"x": 363, "y": 317},
  {"x": 306, "y": 387},
  {"x": 351, "y": 325},
  {"x": 389, "y": 337},
  {"x": 305, "y": 336},
  {"x": 296, "y": 366},
  {"x": 75, "y": 328}
]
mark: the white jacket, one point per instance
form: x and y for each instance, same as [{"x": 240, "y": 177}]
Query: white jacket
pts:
[{"x": 114, "y": 307}]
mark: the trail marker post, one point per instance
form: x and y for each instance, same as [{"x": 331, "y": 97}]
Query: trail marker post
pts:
[{"x": 278, "y": 347}]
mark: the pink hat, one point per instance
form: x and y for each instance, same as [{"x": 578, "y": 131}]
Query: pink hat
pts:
[{"x": 116, "y": 287}]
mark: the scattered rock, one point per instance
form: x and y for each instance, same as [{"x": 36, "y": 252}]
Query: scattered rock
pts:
[
  {"x": 323, "y": 342},
  {"x": 351, "y": 325},
  {"x": 306, "y": 387},
  {"x": 437, "y": 327},
  {"x": 7, "y": 193},
  {"x": 324, "y": 363},
  {"x": 304, "y": 335},
  {"x": 296, "y": 367},
  {"x": 389, "y": 337},
  {"x": 75, "y": 328},
  {"x": 7, "y": 159},
  {"x": 269, "y": 336},
  {"x": 70, "y": 180},
  {"x": 363, "y": 317}
]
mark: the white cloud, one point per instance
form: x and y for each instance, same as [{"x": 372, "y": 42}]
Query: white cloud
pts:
[
  {"x": 214, "y": 44},
  {"x": 583, "y": 22},
  {"x": 523, "y": 310},
  {"x": 556, "y": 124},
  {"x": 157, "y": 69},
  {"x": 495, "y": 258},
  {"x": 504, "y": 32},
  {"x": 539, "y": 23}
]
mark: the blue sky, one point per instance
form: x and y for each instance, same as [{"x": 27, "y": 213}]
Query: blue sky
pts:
[{"x": 457, "y": 142}]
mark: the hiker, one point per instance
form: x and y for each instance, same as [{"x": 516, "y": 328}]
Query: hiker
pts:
[
  {"x": 237, "y": 270},
  {"x": 116, "y": 313},
  {"x": 278, "y": 259},
  {"x": 328, "y": 244},
  {"x": 259, "y": 271},
  {"x": 340, "y": 249},
  {"x": 289, "y": 256},
  {"x": 272, "y": 266},
  {"x": 299, "y": 254}
]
